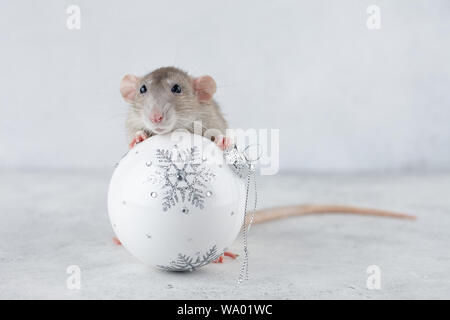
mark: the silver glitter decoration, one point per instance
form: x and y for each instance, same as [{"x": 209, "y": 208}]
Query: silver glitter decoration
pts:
[
  {"x": 245, "y": 169},
  {"x": 238, "y": 162},
  {"x": 246, "y": 226},
  {"x": 189, "y": 263},
  {"x": 183, "y": 177},
  {"x": 153, "y": 194},
  {"x": 208, "y": 194},
  {"x": 185, "y": 210},
  {"x": 148, "y": 163}
]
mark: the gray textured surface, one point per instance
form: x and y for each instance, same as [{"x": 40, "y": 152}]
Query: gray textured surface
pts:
[{"x": 52, "y": 219}]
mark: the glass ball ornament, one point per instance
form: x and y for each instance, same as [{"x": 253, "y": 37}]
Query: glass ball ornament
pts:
[{"x": 182, "y": 193}]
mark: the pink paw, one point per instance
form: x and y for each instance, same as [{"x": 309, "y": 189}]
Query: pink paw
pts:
[
  {"x": 116, "y": 241},
  {"x": 223, "y": 142},
  {"x": 140, "y": 136},
  {"x": 226, "y": 254}
]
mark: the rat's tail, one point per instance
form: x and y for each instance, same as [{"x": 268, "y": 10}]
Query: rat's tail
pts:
[{"x": 291, "y": 211}]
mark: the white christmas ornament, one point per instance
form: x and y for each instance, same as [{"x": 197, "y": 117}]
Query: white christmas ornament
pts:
[{"x": 176, "y": 205}]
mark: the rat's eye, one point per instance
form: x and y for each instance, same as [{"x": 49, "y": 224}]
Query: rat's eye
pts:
[
  {"x": 143, "y": 89},
  {"x": 176, "y": 89}
]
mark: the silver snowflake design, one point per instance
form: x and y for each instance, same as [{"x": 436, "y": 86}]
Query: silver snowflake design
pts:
[
  {"x": 188, "y": 263},
  {"x": 183, "y": 176}
]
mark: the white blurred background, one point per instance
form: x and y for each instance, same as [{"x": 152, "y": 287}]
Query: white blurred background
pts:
[{"x": 345, "y": 98}]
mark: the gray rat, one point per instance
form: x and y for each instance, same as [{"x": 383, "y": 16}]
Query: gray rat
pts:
[{"x": 168, "y": 99}]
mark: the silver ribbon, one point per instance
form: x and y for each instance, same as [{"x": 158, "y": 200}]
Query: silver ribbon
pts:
[{"x": 243, "y": 166}]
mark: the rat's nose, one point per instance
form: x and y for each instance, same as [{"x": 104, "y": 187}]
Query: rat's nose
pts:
[{"x": 156, "y": 117}]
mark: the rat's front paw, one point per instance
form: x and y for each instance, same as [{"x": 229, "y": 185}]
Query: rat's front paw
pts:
[
  {"x": 226, "y": 254},
  {"x": 223, "y": 142},
  {"x": 140, "y": 136}
]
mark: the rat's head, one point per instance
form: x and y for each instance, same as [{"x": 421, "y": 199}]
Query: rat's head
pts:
[{"x": 167, "y": 98}]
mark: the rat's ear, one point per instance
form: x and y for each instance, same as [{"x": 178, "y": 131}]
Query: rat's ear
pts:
[
  {"x": 204, "y": 88},
  {"x": 128, "y": 87}
]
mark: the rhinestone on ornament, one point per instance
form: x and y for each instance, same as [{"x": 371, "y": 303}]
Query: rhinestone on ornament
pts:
[{"x": 153, "y": 194}]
